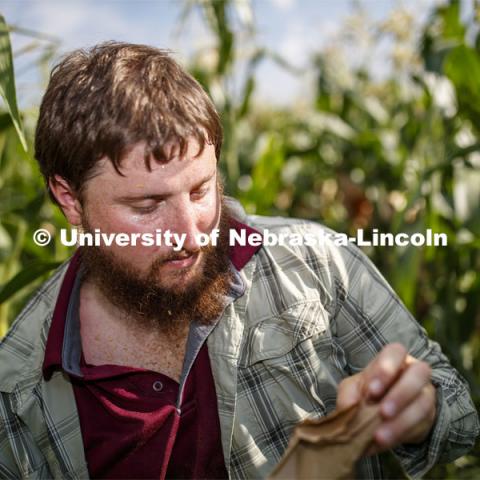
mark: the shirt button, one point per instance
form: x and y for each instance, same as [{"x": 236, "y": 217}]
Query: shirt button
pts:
[{"x": 158, "y": 386}]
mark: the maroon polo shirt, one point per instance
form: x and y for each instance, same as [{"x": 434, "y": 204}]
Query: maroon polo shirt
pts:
[{"x": 132, "y": 422}]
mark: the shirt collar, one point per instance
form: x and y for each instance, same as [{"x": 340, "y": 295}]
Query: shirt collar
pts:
[{"x": 63, "y": 348}]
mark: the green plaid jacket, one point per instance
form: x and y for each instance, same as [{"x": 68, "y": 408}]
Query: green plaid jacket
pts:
[{"x": 308, "y": 318}]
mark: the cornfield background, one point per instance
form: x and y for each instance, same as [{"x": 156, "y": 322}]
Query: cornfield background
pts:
[{"x": 396, "y": 153}]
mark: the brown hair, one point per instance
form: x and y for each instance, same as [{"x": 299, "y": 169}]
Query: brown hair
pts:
[{"x": 102, "y": 101}]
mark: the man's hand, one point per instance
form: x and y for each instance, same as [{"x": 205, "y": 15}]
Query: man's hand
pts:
[{"x": 407, "y": 397}]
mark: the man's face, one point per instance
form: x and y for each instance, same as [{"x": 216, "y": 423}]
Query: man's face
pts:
[
  {"x": 157, "y": 283},
  {"x": 180, "y": 196}
]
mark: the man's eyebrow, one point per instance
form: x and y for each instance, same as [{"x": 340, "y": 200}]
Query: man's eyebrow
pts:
[
  {"x": 162, "y": 196},
  {"x": 204, "y": 180}
]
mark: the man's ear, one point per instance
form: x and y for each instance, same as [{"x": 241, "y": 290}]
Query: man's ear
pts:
[{"x": 67, "y": 198}]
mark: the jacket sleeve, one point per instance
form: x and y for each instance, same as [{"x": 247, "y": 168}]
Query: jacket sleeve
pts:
[
  {"x": 8, "y": 465},
  {"x": 19, "y": 456},
  {"x": 6, "y": 470},
  {"x": 368, "y": 316}
]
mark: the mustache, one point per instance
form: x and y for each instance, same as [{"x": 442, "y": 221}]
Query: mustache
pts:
[{"x": 180, "y": 255}]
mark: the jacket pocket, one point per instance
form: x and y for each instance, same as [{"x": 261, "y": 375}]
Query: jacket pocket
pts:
[
  {"x": 277, "y": 336},
  {"x": 284, "y": 376}
]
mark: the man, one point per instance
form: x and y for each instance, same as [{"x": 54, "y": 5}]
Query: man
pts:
[{"x": 191, "y": 361}]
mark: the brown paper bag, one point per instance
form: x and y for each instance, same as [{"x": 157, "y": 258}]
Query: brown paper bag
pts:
[{"x": 328, "y": 448}]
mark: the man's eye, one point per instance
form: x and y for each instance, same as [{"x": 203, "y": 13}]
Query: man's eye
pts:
[
  {"x": 145, "y": 210},
  {"x": 201, "y": 192}
]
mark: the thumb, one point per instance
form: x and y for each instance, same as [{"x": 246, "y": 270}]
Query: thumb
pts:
[{"x": 349, "y": 391}]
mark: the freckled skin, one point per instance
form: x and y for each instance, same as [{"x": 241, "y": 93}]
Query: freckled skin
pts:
[{"x": 112, "y": 341}]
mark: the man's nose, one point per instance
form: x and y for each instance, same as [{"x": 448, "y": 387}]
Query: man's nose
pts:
[{"x": 185, "y": 222}]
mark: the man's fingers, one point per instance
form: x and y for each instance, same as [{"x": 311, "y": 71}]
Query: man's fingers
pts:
[
  {"x": 406, "y": 389},
  {"x": 349, "y": 391},
  {"x": 383, "y": 371},
  {"x": 409, "y": 424}
]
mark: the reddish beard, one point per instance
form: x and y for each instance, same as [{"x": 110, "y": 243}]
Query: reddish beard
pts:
[{"x": 145, "y": 301}]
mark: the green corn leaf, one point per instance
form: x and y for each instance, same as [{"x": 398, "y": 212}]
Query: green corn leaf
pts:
[
  {"x": 29, "y": 274},
  {"x": 7, "y": 81}
]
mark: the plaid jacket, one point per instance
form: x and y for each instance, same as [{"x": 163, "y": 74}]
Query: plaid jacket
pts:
[{"x": 309, "y": 317}]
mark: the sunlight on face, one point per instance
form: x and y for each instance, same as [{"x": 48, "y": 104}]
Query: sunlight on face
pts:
[{"x": 181, "y": 196}]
